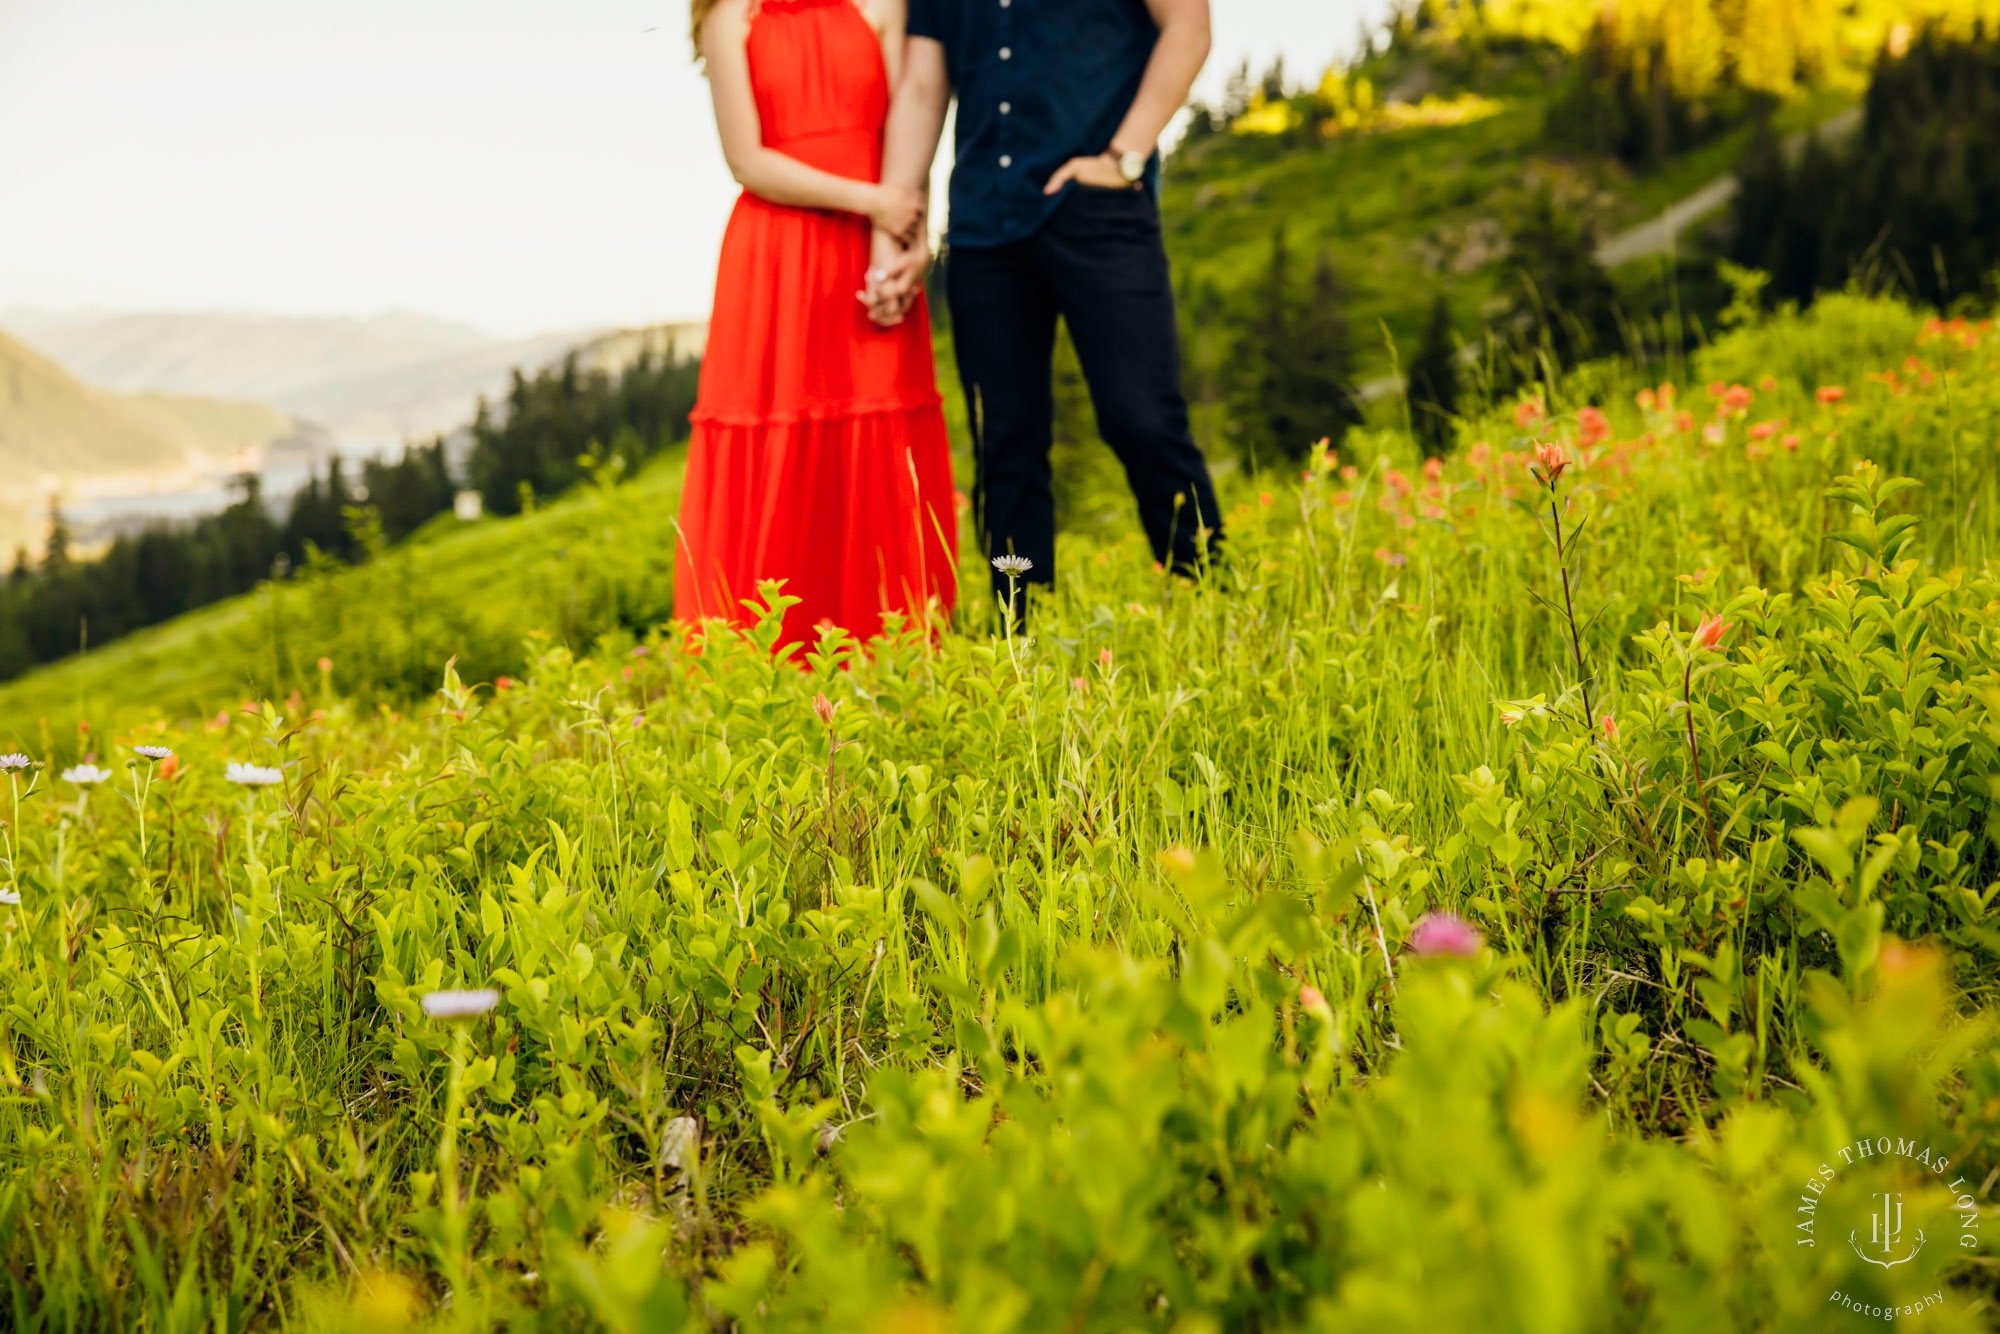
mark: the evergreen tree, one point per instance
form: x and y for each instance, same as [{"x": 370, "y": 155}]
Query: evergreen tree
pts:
[
  {"x": 1564, "y": 304},
  {"x": 1292, "y": 363},
  {"x": 1432, "y": 386}
]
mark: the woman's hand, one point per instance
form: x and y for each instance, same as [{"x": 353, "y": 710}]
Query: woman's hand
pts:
[
  {"x": 895, "y": 275},
  {"x": 898, "y": 211}
]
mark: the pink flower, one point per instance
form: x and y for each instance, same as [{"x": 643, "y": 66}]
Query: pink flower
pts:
[
  {"x": 1684, "y": 422},
  {"x": 1736, "y": 398},
  {"x": 1646, "y": 400},
  {"x": 325, "y": 666},
  {"x": 825, "y": 708},
  {"x": 1481, "y": 453},
  {"x": 1528, "y": 413},
  {"x": 1434, "y": 469},
  {"x": 1311, "y": 998},
  {"x": 1104, "y": 659},
  {"x": 641, "y": 651},
  {"x": 1082, "y": 686},
  {"x": 1610, "y": 726},
  {"x": 1769, "y": 384},
  {"x": 1831, "y": 393},
  {"x": 1710, "y": 632},
  {"x": 1790, "y": 442},
  {"x": 1765, "y": 430},
  {"x": 1714, "y": 433},
  {"x": 1442, "y": 933}
]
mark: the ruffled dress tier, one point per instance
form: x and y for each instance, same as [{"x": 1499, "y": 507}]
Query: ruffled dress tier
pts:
[{"x": 819, "y": 454}]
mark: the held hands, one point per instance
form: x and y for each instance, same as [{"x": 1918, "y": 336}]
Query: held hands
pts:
[{"x": 895, "y": 276}]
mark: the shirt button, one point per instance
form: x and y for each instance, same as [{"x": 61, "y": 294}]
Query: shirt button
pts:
[
  {"x": 1006, "y": 53},
  {"x": 1006, "y": 107},
  {"x": 1006, "y": 161}
]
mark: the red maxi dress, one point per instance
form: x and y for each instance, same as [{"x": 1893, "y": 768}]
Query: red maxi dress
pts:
[{"x": 819, "y": 454}]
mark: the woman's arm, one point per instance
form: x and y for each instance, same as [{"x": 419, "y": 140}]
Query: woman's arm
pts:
[{"x": 769, "y": 174}]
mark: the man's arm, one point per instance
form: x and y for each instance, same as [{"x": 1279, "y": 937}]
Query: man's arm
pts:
[
  {"x": 916, "y": 115},
  {"x": 909, "y": 144},
  {"x": 1177, "y": 58}
]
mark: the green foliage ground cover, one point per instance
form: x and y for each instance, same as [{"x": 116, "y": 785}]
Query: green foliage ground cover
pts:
[{"x": 1071, "y": 983}]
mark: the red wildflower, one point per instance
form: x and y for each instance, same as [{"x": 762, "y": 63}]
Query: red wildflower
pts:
[
  {"x": 825, "y": 708},
  {"x": 1550, "y": 461},
  {"x": 1592, "y": 426},
  {"x": 1528, "y": 412},
  {"x": 1831, "y": 393},
  {"x": 1710, "y": 632}
]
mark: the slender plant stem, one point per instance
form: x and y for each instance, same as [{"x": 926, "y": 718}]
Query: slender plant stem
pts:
[
  {"x": 1694, "y": 758},
  {"x": 1569, "y": 612}
]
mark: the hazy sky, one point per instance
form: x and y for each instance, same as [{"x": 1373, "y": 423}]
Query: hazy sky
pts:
[{"x": 522, "y": 165}]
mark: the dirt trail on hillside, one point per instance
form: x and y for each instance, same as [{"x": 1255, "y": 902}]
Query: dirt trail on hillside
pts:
[{"x": 1657, "y": 234}]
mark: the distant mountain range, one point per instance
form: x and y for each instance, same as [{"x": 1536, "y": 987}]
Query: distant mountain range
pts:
[
  {"x": 151, "y": 414},
  {"x": 385, "y": 380},
  {"x": 60, "y": 434}
]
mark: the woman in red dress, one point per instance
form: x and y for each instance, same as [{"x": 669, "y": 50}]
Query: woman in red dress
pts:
[{"x": 819, "y": 454}]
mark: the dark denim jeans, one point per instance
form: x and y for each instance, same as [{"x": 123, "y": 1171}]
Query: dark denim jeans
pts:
[{"x": 1100, "y": 265}]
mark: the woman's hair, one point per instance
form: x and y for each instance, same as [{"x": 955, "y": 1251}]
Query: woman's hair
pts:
[{"x": 697, "y": 11}]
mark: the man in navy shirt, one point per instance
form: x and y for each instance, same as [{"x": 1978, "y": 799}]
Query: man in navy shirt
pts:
[{"x": 1054, "y": 213}]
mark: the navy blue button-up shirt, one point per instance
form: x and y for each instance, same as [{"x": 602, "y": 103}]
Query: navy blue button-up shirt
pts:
[{"x": 1038, "y": 82}]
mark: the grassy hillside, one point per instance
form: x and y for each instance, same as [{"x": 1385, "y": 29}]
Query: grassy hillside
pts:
[
  {"x": 599, "y": 562},
  {"x": 1409, "y": 212}
]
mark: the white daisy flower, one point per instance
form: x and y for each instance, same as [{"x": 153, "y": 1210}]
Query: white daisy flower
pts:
[
  {"x": 14, "y": 761},
  {"x": 1013, "y": 564},
  {"x": 153, "y": 752},
  {"x": 253, "y": 775},
  {"x": 85, "y": 775},
  {"x": 460, "y": 1004},
  {"x": 10, "y": 898}
]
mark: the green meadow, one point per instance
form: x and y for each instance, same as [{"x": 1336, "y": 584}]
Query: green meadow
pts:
[{"x": 1499, "y": 895}]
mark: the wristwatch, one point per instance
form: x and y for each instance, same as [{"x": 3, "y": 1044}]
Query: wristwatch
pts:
[{"x": 1130, "y": 165}]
